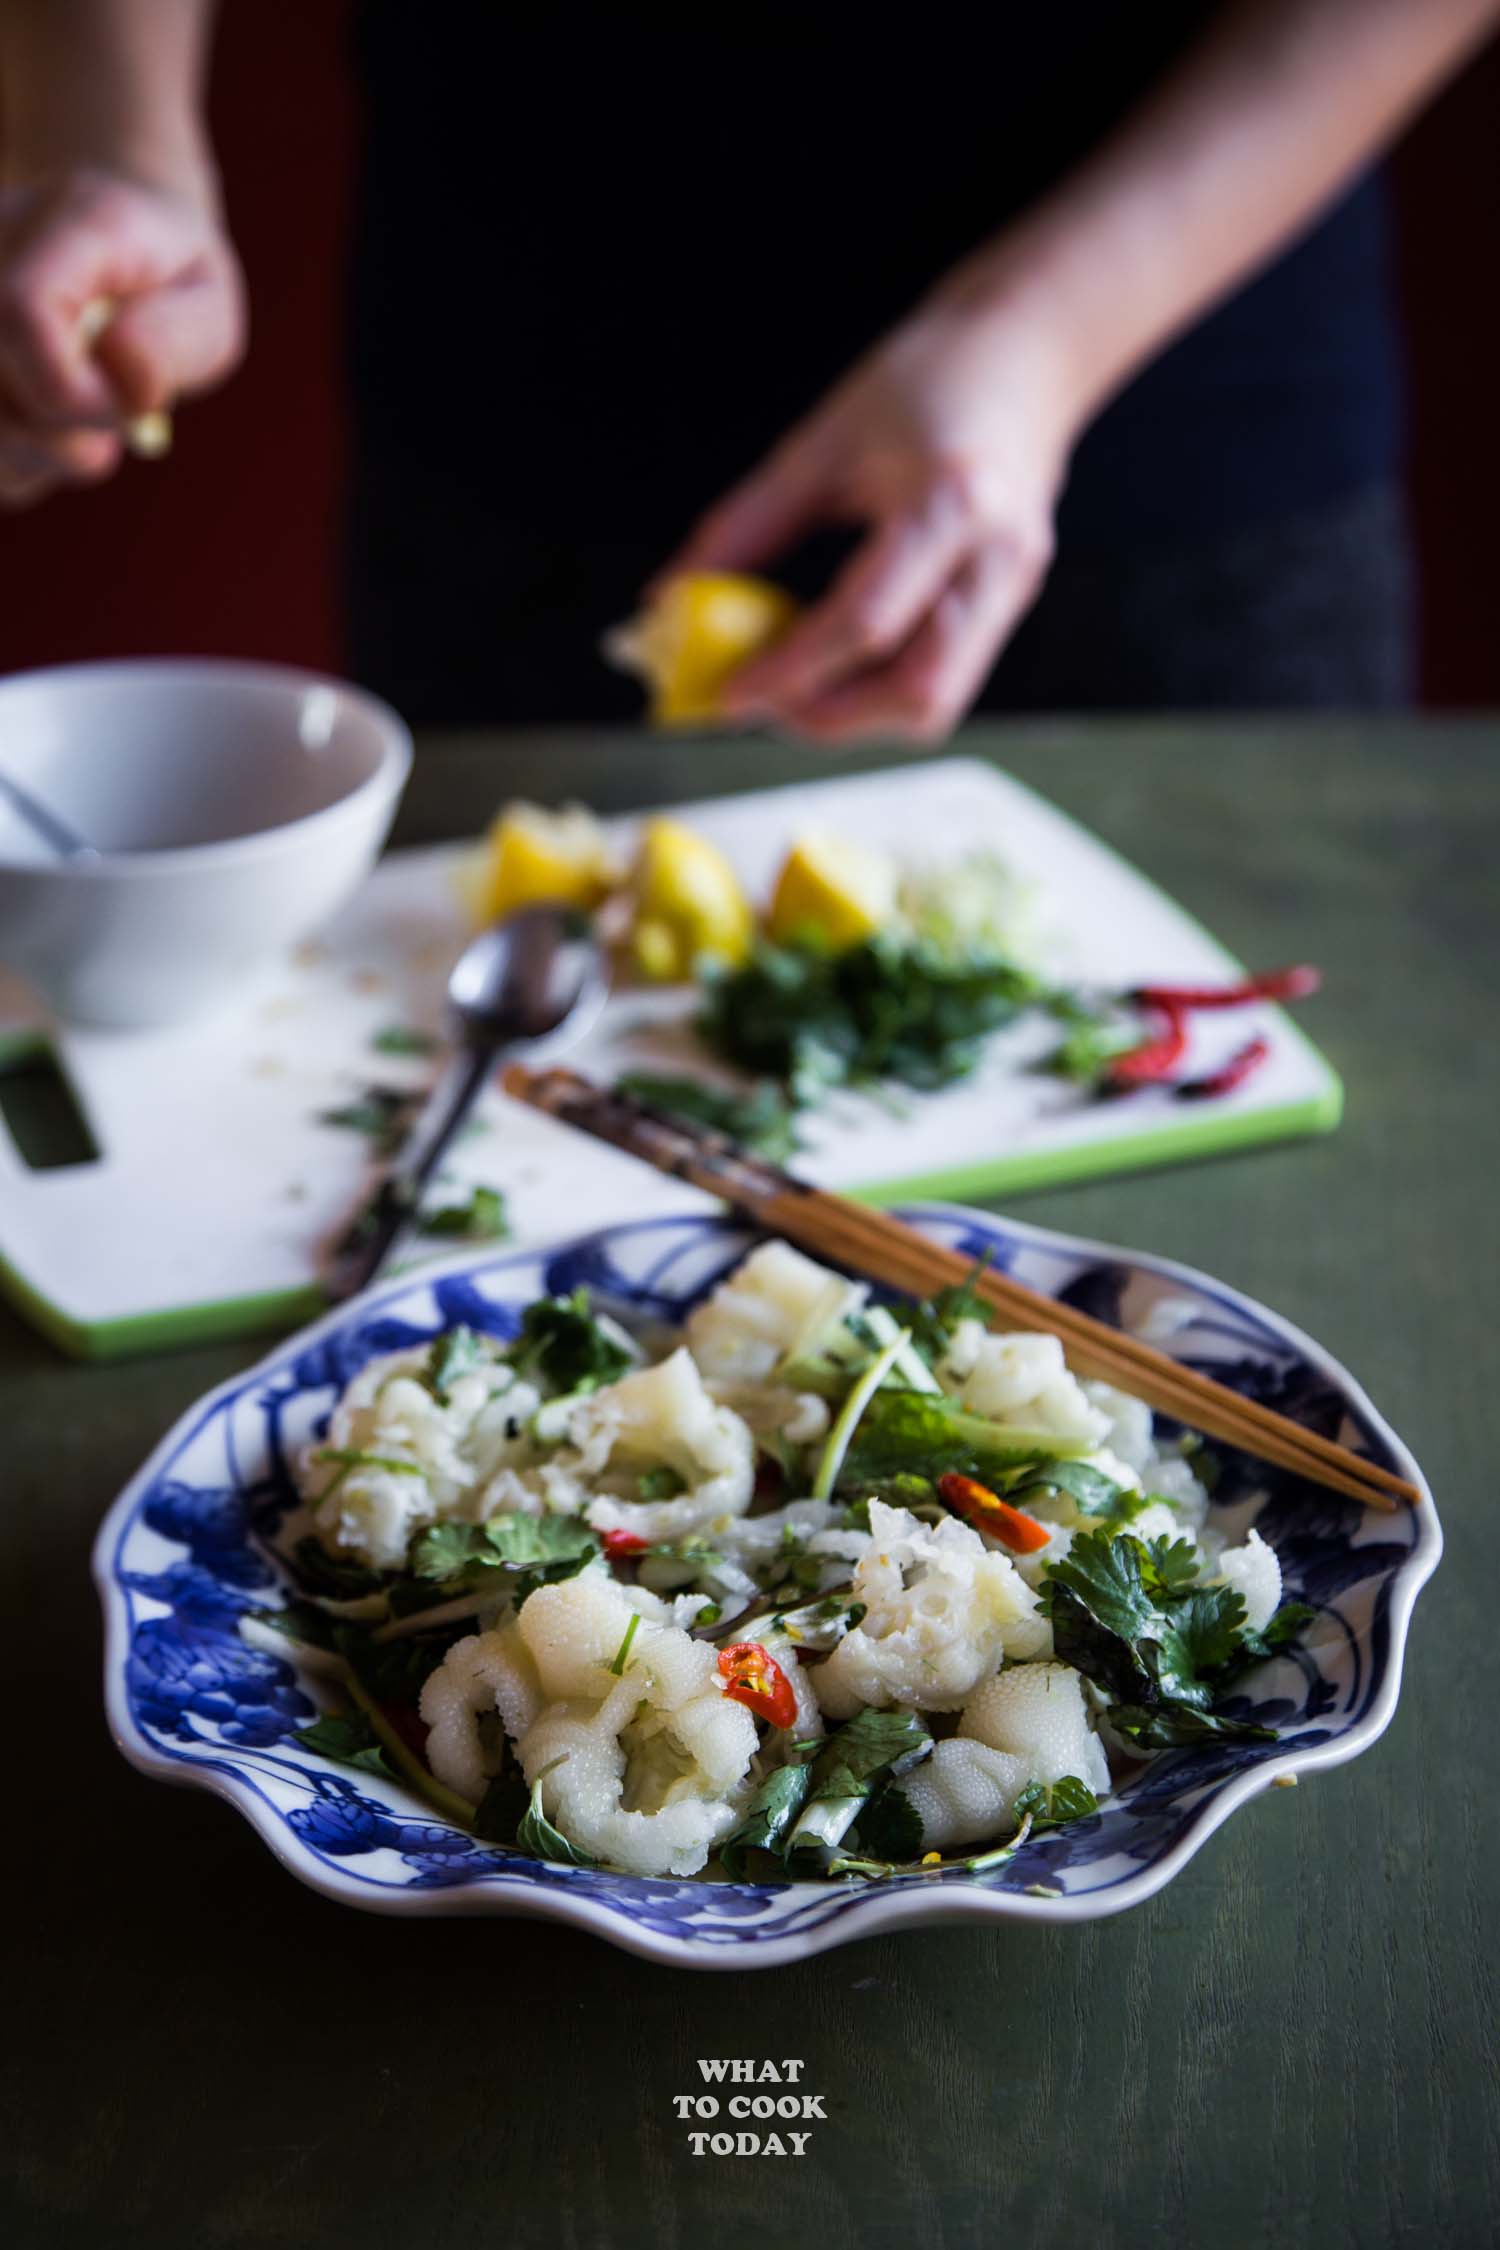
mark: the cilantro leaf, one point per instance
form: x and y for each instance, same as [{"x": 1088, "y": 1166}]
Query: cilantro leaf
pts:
[
  {"x": 563, "y": 1342},
  {"x": 456, "y": 1352},
  {"x": 1200, "y": 1635},
  {"x": 935, "y": 1320},
  {"x": 902, "y": 1433},
  {"x": 322, "y": 1573},
  {"x": 511, "y": 1553},
  {"x": 350, "y": 1741},
  {"x": 1170, "y": 1567}
]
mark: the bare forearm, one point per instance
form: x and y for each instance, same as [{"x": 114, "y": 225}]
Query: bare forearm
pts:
[
  {"x": 1235, "y": 153},
  {"x": 112, "y": 83}
]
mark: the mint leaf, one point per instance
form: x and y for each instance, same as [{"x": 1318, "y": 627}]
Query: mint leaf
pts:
[
  {"x": 350, "y": 1741},
  {"x": 1171, "y": 1726},
  {"x": 503, "y": 1807},
  {"x": 1089, "y": 1488},
  {"x": 871, "y": 1743},
  {"x": 395, "y": 1671},
  {"x": 537, "y": 1837},
  {"x": 1276, "y": 1634},
  {"x": 889, "y": 1826},
  {"x": 1067, "y": 1799},
  {"x": 771, "y": 1813},
  {"x": 330, "y": 1575}
]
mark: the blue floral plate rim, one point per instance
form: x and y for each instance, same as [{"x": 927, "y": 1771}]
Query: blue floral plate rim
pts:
[{"x": 318, "y": 1819}]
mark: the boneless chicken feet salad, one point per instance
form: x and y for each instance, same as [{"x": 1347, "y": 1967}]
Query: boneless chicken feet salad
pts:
[{"x": 826, "y": 1587}]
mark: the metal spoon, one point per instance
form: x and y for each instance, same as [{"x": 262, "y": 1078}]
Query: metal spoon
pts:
[
  {"x": 44, "y": 822},
  {"x": 539, "y": 975}
]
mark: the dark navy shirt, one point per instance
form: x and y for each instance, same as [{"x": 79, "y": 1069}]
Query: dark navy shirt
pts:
[{"x": 606, "y": 256}]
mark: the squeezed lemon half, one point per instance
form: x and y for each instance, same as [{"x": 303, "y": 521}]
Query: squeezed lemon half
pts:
[
  {"x": 535, "y": 855},
  {"x": 702, "y": 628}
]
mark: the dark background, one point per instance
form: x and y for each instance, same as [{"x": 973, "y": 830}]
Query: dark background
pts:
[{"x": 229, "y": 547}]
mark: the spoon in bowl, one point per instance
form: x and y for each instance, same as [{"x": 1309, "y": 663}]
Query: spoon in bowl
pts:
[
  {"x": 537, "y": 976},
  {"x": 54, "y": 831}
]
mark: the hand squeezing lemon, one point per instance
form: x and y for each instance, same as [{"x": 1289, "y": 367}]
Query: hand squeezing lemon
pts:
[{"x": 694, "y": 636}]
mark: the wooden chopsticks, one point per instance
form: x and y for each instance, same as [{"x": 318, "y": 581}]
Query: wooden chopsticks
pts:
[{"x": 881, "y": 1248}]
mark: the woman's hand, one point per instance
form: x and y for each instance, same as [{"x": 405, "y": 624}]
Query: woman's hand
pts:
[
  {"x": 949, "y": 442},
  {"x": 87, "y": 237}
]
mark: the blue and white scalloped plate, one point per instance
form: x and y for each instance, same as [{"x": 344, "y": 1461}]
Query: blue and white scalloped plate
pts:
[{"x": 185, "y": 1550}]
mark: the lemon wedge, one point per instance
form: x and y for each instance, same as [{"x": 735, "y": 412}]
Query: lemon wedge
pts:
[
  {"x": 832, "y": 890},
  {"x": 703, "y": 627},
  {"x": 535, "y": 855},
  {"x": 689, "y": 907}
]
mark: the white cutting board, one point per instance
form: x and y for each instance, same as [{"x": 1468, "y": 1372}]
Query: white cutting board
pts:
[{"x": 217, "y": 1187}]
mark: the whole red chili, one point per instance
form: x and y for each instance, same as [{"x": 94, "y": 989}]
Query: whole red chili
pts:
[
  {"x": 621, "y": 1543},
  {"x": 1234, "y": 1073},
  {"x": 753, "y": 1677},
  {"x": 986, "y": 1511},
  {"x": 1157, "y": 1057},
  {"x": 1275, "y": 984}
]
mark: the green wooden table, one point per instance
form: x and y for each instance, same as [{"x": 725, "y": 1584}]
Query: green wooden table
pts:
[{"x": 1295, "y": 2043}]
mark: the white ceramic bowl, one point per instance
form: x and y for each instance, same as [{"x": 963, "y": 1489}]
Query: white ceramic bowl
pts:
[{"x": 234, "y": 807}]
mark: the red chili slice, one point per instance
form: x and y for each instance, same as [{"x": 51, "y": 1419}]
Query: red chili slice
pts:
[
  {"x": 1276, "y": 984},
  {"x": 986, "y": 1511},
  {"x": 1234, "y": 1073},
  {"x": 1157, "y": 1057},
  {"x": 753, "y": 1677},
  {"x": 620, "y": 1543}
]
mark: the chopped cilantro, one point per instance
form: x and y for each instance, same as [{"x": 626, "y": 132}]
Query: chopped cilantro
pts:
[
  {"x": 403, "y": 1039},
  {"x": 384, "y": 1114},
  {"x": 563, "y": 1342},
  {"x": 482, "y": 1218}
]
